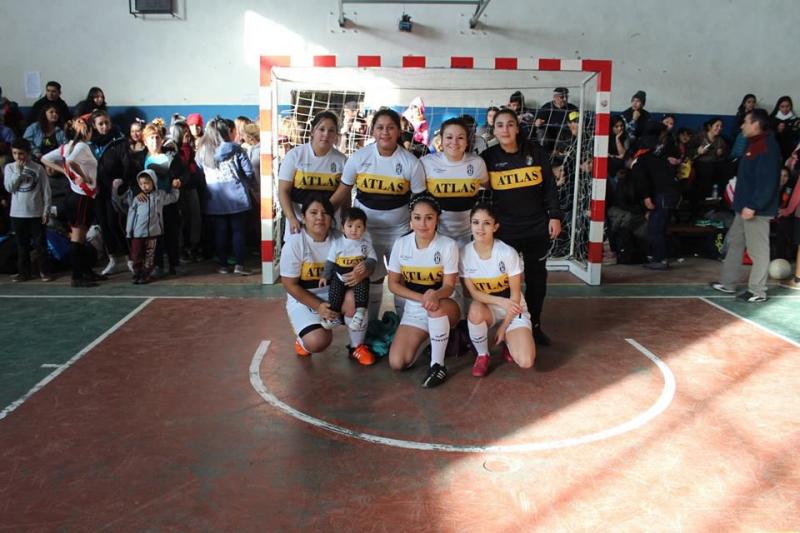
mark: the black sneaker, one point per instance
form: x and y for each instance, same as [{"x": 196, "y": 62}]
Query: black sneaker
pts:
[
  {"x": 436, "y": 376},
  {"x": 540, "y": 336},
  {"x": 656, "y": 265},
  {"x": 16, "y": 278},
  {"x": 82, "y": 283},
  {"x": 751, "y": 298}
]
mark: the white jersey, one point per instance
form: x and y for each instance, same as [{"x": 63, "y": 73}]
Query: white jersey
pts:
[
  {"x": 424, "y": 269},
  {"x": 347, "y": 253},
  {"x": 455, "y": 185},
  {"x": 491, "y": 276},
  {"x": 310, "y": 174},
  {"x": 80, "y": 153},
  {"x": 302, "y": 257},
  {"x": 384, "y": 186}
]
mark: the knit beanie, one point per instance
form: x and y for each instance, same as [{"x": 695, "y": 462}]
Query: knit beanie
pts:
[{"x": 641, "y": 95}]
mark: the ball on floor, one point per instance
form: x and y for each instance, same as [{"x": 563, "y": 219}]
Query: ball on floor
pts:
[{"x": 780, "y": 269}]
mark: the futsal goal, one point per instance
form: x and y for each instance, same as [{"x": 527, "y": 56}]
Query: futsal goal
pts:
[{"x": 294, "y": 89}]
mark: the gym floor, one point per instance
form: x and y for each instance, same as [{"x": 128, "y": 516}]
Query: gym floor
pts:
[{"x": 180, "y": 406}]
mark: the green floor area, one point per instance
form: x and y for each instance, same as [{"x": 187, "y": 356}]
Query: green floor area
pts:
[{"x": 37, "y": 331}]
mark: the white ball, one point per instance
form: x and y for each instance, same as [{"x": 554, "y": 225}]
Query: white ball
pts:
[{"x": 780, "y": 269}]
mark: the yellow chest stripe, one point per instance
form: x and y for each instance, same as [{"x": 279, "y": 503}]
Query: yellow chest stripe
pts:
[
  {"x": 349, "y": 261},
  {"x": 422, "y": 275},
  {"x": 316, "y": 181},
  {"x": 378, "y": 184},
  {"x": 514, "y": 179},
  {"x": 311, "y": 271},
  {"x": 491, "y": 285},
  {"x": 453, "y": 187}
]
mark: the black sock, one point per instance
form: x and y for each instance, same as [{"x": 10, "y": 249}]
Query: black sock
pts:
[{"x": 76, "y": 259}]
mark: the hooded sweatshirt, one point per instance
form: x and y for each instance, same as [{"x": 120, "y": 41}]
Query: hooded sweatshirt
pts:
[
  {"x": 29, "y": 188},
  {"x": 145, "y": 218},
  {"x": 227, "y": 185}
]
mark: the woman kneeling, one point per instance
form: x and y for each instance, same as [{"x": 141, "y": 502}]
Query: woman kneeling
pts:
[
  {"x": 492, "y": 273},
  {"x": 423, "y": 269}
]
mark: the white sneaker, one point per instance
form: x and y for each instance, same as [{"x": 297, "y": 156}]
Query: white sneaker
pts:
[
  {"x": 130, "y": 266},
  {"x": 110, "y": 267},
  {"x": 357, "y": 322},
  {"x": 329, "y": 324},
  {"x": 242, "y": 271}
]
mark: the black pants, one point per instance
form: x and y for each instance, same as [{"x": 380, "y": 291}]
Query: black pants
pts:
[
  {"x": 534, "y": 253},
  {"x": 657, "y": 225},
  {"x": 336, "y": 291},
  {"x": 112, "y": 226},
  {"x": 25, "y": 230},
  {"x": 170, "y": 241}
]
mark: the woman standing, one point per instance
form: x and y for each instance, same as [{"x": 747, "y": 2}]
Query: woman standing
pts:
[
  {"x": 384, "y": 175},
  {"x": 423, "y": 269},
  {"x": 526, "y": 204},
  {"x": 302, "y": 262},
  {"x": 311, "y": 168},
  {"x": 455, "y": 177},
  {"x": 492, "y": 273},
  {"x": 76, "y": 161}
]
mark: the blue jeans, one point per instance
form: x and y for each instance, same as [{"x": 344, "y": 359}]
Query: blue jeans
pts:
[{"x": 229, "y": 231}]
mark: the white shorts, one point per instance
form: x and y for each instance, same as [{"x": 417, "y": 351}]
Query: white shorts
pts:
[
  {"x": 523, "y": 320},
  {"x": 415, "y": 315},
  {"x": 301, "y": 316}
]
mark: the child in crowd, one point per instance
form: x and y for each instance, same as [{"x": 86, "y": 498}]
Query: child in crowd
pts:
[
  {"x": 145, "y": 225},
  {"x": 29, "y": 186},
  {"x": 347, "y": 253}
]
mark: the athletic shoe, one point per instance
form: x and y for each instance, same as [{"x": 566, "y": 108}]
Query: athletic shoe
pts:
[
  {"x": 329, "y": 324},
  {"x": 363, "y": 355},
  {"x": 240, "y": 270},
  {"x": 721, "y": 288},
  {"x": 540, "y": 336},
  {"x": 16, "y": 278},
  {"x": 82, "y": 283},
  {"x": 94, "y": 276},
  {"x": 130, "y": 266},
  {"x": 507, "y": 354},
  {"x": 791, "y": 284},
  {"x": 481, "y": 366},
  {"x": 110, "y": 267},
  {"x": 435, "y": 376},
  {"x": 224, "y": 270},
  {"x": 358, "y": 319},
  {"x": 46, "y": 277},
  {"x": 751, "y": 298},
  {"x": 299, "y": 350}
]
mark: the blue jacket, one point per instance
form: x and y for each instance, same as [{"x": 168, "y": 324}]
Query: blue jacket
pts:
[
  {"x": 227, "y": 186},
  {"x": 35, "y": 135},
  {"x": 759, "y": 176}
]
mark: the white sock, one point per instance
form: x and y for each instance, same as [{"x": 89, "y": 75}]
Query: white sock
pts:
[
  {"x": 478, "y": 334},
  {"x": 439, "y": 331},
  {"x": 375, "y": 299},
  {"x": 356, "y": 337}
]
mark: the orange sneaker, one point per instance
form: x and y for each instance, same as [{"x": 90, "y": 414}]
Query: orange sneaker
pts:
[
  {"x": 363, "y": 355},
  {"x": 299, "y": 350}
]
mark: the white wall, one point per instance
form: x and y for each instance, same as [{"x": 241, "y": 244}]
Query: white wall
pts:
[{"x": 690, "y": 56}]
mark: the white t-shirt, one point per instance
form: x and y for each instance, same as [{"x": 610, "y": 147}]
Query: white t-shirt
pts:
[
  {"x": 347, "y": 253},
  {"x": 384, "y": 185},
  {"x": 424, "y": 269},
  {"x": 81, "y": 154},
  {"x": 302, "y": 257},
  {"x": 310, "y": 174},
  {"x": 455, "y": 185},
  {"x": 491, "y": 276}
]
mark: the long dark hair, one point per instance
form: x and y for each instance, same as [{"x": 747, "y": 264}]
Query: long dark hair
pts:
[
  {"x": 524, "y": 147},
  {"x": 386, "y": 112},
  {"x": 781, "y": 100},
  {"x": 42, "y": 118},
  {"x": 740, "y": 111}
]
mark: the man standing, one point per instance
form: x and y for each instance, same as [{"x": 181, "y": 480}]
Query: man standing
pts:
[
  {"x": 552, "y": 117},
  {"x": 52, "y": 95},
  {"x": 755, "y": 202}
]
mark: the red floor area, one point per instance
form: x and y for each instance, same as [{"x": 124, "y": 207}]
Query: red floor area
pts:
[{"x": 159, "y": 428}]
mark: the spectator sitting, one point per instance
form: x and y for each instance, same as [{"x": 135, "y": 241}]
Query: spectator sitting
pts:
[
  {"x": 45, "y": 134},
  {"x": 618, "y": 144},
  {"x": 487, "y": 130},
  {"x": 95, "y": 99},
  {"x": 710, "y": 161},
  {"x": 552, "y": 117},
  {"x": 10, "y": 115},
  {"x": 6, "y": 138},
  {"x": 517, "y": 102},
  {"x": 747, "y": 105},
  {"x": 786, "y": 125},
  {"x": 636, "y": 117},
  {"x": 52, "y": 95}
]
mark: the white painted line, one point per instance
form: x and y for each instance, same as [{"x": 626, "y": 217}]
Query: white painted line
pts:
[
  {"x": 664, "y": 399},
  {"x": 752, "y": 323},
  {"x": 51, "y": 365},
  {"x": 5, "y": 412}
]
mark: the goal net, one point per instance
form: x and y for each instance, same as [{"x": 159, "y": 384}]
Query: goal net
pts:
[{"x": 297, "y": 94}]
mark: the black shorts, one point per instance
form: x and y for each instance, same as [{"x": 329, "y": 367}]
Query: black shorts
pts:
[{"x": 78, "y": 210}]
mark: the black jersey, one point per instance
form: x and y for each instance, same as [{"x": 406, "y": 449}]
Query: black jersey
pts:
[{"x": 523, "y": 191}]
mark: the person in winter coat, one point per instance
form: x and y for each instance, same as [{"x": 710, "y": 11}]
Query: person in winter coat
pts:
[
  {"x": 145, "y": 219},
  {"x": 636, "y": 117},
  {"x": 229, "y": 176}
]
